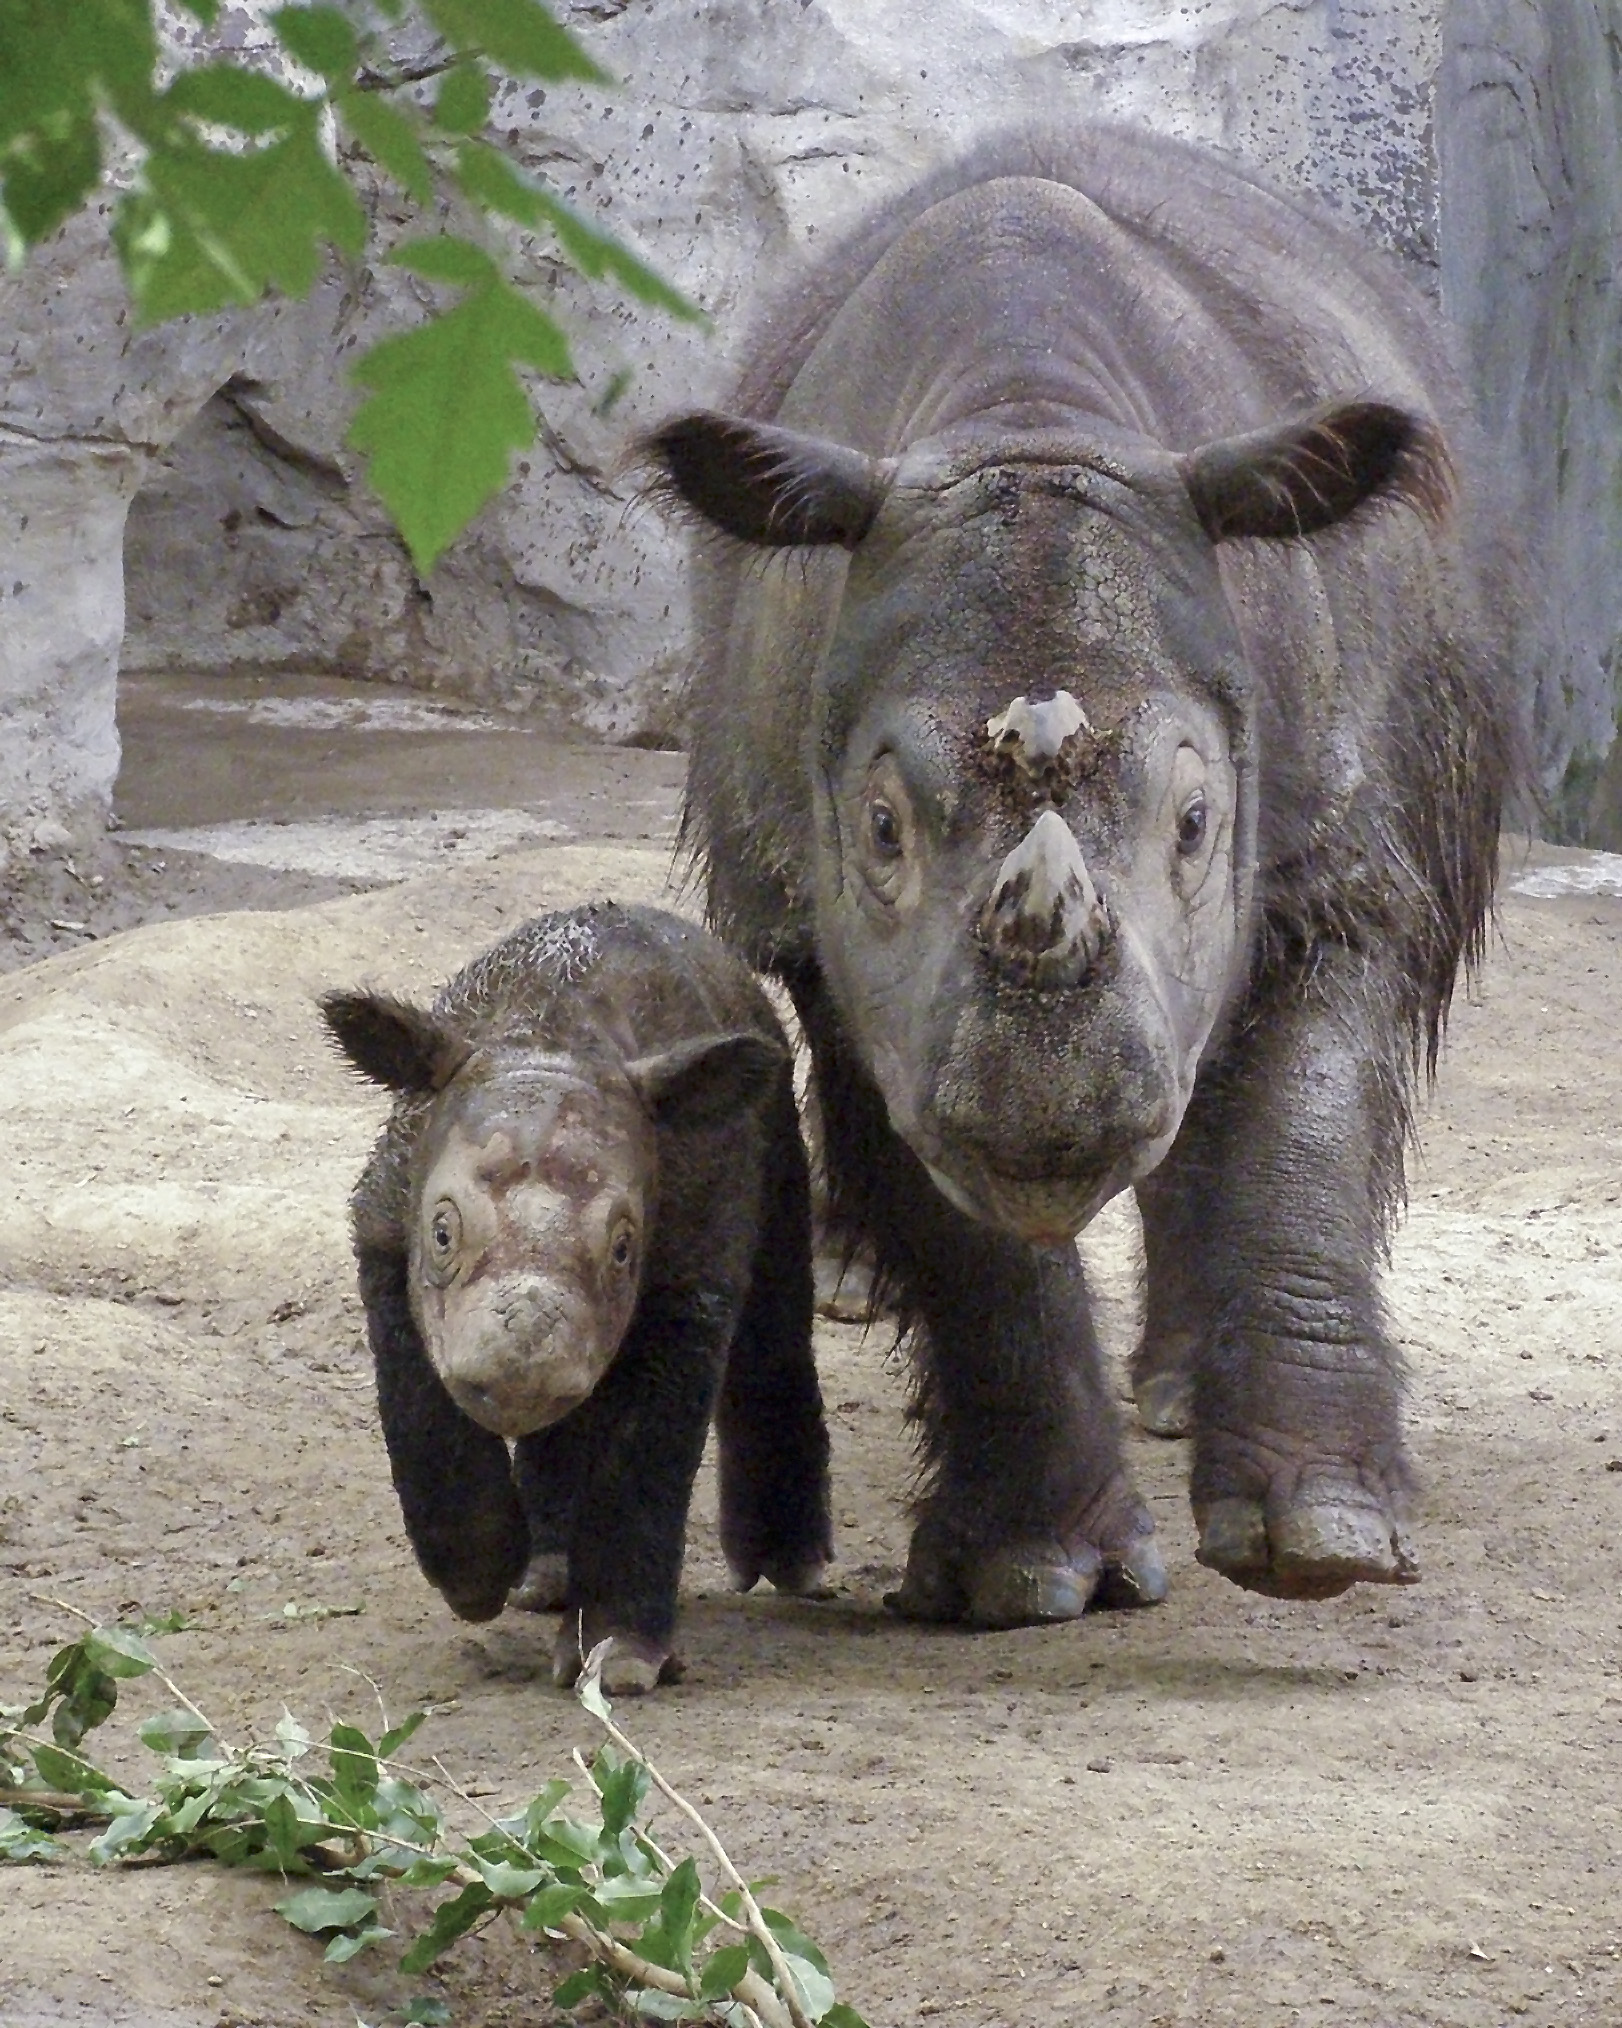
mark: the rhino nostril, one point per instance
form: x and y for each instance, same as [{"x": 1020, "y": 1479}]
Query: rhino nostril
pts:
[{"x": 1045, "y": 923}]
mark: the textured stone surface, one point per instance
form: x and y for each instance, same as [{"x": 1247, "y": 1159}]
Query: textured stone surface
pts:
[
  {"x": 1529, "y": 117},
  {"x": 747, "y": 134}
]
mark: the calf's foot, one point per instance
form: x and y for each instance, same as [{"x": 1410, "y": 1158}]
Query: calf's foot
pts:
[
  {"x": 544, "y": 1585},
  {"x": 635, "y": 1663}
]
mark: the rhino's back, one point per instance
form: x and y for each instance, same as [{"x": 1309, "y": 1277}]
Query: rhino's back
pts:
[
  {"x": 1114, "y": 274},
  {"x": 641, "y": 977}
]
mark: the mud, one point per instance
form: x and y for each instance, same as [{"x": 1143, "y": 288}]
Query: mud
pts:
[{"x": 1394, "y": 1810}]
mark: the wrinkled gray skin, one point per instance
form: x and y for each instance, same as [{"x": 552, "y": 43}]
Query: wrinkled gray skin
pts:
[
  {"x": 585, "y": 1228},
  {"x": 1110, "y": 763}
]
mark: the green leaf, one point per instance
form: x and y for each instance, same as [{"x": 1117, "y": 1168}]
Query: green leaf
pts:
[
  {"x": 428, "y": 1872},
  {"x": 547, "y": 1907},
  {"x": 506, "y": 1882},
  {"x": 451, "y": 1920},
  {"x": 445, "y": 258},
  {"x": 204, "y": 10},
  {"x": 229, "y": 96},
  {"x": 427, "y": 2012},
  {"x": 70, "y": 1773},
  {"x": 622, "y": 1784},
  {"x": 624, "y": 1900},
  {"x": 815, "y": 1988},
  {"x": 793, "y": 1940},
  {"x": 678, "y": 1904},
  {"x": 117, "y": 1651},
  {"x": 352, "y": 1943},
  {"x": 211, "y": 228},
  {"x": 652, "y": 2003},
  {"x": 841, "y": 2016},
  {"x": 447, "y": 409},
  {"x": 589, "y": 1983},
  {"x": 462, "y": 104},
  {"x": 180, "y": 1734},
  {"x": 389, "y": 137},
  {"x": 49, "y": 173},
  {"x": 314, "y": 1909},
  {"x": 540, "y": 1806},
  {"x": 130, "y": 1828},
  {"x": 292, "y": 1737},
  {"x": 283, "y": 1831},
  {"x": 22, "y": 1845},
  {"x": 492, "y": 181},
  {"x": 354, "y": 1766},
  {"x": 723, "y": 1970},
  {"x": 518, "y": 35},
  {"x": 320, "y": 38},
  {"x": 397, "y": 1735}
]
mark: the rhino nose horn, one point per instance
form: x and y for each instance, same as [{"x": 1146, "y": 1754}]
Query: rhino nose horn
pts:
[{"x": 1045, "y": 923}]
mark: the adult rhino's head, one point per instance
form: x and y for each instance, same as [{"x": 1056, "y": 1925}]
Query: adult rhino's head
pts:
[{"x": 1030, "y": 752}]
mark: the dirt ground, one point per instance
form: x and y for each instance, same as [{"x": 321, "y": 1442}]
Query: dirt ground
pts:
[{"x": 1397, "y": 1809}]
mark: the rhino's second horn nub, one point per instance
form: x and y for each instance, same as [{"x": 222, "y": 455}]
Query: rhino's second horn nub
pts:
[{"x": 1045, "y": 922}]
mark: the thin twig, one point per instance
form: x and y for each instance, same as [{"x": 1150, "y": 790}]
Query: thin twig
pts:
[{"x": 758, "y": 1927}]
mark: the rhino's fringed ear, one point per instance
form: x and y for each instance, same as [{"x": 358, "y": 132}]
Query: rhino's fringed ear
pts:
[
  {"x": 701, "y": 1082},
  {"x": 1314, "y": 470},
  {"x": 393, "y": 1043},
  {"x": 763, "y": 484}
]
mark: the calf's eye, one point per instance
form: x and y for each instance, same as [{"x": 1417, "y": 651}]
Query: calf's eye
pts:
[
  {"x": 1191, "y": 827},
  {"x": 622, "y": 1247}
]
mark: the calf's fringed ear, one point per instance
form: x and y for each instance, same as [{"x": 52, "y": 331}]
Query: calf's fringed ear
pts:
[
  {"x": 393, "y": 1043},
  {"x": 1316, "y": 469}
]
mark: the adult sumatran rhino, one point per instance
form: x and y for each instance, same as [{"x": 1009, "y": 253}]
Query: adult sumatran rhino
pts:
[{"x": 1112, "y": 773}]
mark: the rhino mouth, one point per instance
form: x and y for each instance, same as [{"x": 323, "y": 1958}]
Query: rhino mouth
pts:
[{"x": 1028, "y": 1200}]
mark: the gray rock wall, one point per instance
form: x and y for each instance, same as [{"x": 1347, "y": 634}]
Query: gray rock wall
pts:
[
  {"x": 1529, "y": 119},
  {"x": 748, "y": 132}
]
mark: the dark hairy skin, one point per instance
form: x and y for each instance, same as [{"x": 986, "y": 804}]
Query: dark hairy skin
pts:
[
  {"x": 1104, "y": 712},
  {"x": 609, "y": 1091}
]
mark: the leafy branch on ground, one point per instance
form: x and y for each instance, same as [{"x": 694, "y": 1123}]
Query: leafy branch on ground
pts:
[
  {"x": 364, "y": 1832},
  {"x": 241, "y": 181}
]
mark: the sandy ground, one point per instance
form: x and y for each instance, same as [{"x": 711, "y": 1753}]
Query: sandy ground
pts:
[{"x": 1394, "y": 1810}]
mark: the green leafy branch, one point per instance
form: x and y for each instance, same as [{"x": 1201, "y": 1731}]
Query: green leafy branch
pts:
[
  {"x": 241, "y": 185},
  {"x": 362, "y": 1827}
]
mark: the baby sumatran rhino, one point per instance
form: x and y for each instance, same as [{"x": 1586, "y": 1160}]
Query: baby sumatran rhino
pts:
[
  {"x": 1111, "y": 770},
  {"x": 584, "y": 1230}
]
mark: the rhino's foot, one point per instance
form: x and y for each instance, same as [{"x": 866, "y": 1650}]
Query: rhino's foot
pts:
[
  {"x": 800, "y": 1577},
  {"x": 1166, "y": 1403},
  {"x": 544, "y": 1585},
  {"x": 1317, "y": 1541},
  {"x": 1022, "y": 1584},
  {"x": 634, "y": 1665}
]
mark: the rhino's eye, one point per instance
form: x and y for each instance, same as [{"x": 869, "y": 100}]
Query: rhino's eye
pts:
[
  {"x": 884, "y": 827},
  {"x": 622, "y": 1247},
  {"x": 444, "y": 1238},
  {"x": 1191, "y": 827}
]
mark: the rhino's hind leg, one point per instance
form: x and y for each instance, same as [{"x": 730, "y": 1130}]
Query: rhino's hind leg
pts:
[
  {"x": 771, "y": 1437},
  {"x": 1029, "y": 1514},
  {"x": 1300, "y": 1482}
]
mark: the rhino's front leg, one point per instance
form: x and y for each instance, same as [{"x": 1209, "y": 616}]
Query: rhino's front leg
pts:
[
  {"x": 1275, "y": 1203},
  {"x": 1029, "y": 1513}
]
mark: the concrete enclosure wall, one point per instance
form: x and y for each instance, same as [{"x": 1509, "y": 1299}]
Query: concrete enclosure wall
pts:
[{"x": 1475, "y": 138}]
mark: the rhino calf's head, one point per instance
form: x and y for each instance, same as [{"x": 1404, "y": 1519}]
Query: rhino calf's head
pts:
[{"x": 533, "y": 1180}]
